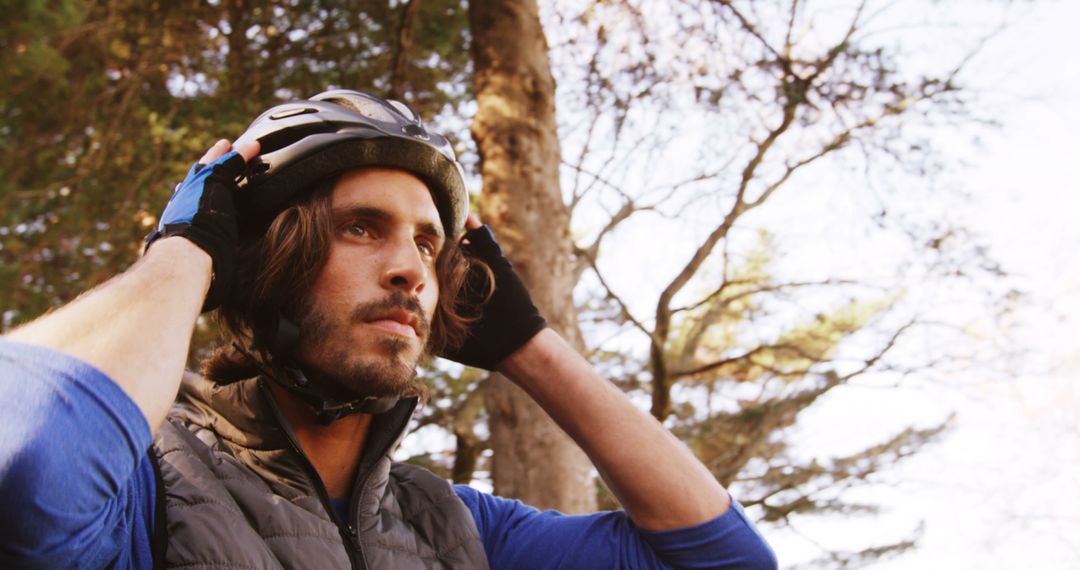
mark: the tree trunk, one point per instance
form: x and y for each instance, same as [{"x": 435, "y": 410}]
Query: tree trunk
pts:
[
  {"x": 236, "y": 60},
  {"x": 515, "y": 131},
  {"x": 469, "y": 445},
  {"x": 403, "y": 50}
]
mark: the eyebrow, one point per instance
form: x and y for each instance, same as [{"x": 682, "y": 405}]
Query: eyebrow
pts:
[{"x": 428, "y": 228}]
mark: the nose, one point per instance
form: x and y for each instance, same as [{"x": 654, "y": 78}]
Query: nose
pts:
[{"x": 404, "y": 269}]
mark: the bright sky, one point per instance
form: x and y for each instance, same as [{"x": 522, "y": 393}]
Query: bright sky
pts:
[{"x": 1001, "y": 491}]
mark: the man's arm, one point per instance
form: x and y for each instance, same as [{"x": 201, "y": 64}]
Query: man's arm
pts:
[
  {"x": 677, "y": 507},
  {"x": 79, "y": 407},
  {"x": 76, "y": 483},
  {"x": 136, "y": 328},
  {"x": 521, "y": 537},
  {"x": 657, "y": 479}
]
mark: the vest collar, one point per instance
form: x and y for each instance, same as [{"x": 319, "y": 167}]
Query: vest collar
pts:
[{"x": 246, "y": 418}]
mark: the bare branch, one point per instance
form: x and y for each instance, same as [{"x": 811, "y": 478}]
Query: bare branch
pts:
[
  {"x": 790, "y": 28},
  {"x": 759, "y": 290},
  {"x": 623, "y": 308},
  {"x": 830, "y": 57},
  {"x": 839, "y": 141},
  {"x": 618, "y": 154},
  {"x": 719, "y": 363},
  {"x": 750, "y": 28},
  {"x": 628, "y": 209},
  {"x": 576, "y": 194},
  {"x": 873, "y": 360},
  {"x": 596, "y": 178},
  {"x": 749, "y": 356}
]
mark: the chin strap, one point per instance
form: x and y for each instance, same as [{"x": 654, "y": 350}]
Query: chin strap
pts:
[{"x": 283, "y": 341}]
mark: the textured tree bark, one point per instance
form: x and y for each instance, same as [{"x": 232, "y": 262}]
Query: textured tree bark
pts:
[
  {"x": 515, "y": 131},
  {"x": 469, "y": 445},
  {"x": 404, "y": 47}
]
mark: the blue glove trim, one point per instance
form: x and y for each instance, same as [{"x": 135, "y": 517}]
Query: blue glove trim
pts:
[{"x": 184, "y": 203}]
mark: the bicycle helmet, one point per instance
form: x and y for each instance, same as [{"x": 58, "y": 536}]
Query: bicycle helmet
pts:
[{"x": 303, "y": 142}]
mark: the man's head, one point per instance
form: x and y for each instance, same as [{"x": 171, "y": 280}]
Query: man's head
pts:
[
  {"x": 349, "y": 220},
  {"x": 362, "y": 266}
]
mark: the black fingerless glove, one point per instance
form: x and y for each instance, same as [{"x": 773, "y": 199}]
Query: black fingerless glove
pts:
[
  {"x": 509, "y": 318},
  {"x": 203, "y": 210}
]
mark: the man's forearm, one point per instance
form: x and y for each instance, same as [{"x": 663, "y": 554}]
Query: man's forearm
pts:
[
  {"x": 136, "y": 328},
  {"x": 658, "y": 480}
]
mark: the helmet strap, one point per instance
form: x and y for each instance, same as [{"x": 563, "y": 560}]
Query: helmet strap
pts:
[{"x": 283, "y": 341}]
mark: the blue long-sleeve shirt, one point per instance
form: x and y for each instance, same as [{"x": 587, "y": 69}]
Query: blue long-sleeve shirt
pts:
[{"x": 77, "y": 489}]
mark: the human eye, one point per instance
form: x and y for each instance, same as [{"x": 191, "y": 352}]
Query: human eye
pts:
[
  {"x": 356, "y": 228},
  {"x": 426, "y": 247}
]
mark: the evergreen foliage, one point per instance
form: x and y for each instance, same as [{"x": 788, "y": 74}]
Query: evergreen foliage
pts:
[{"x": 106, "y": 104}]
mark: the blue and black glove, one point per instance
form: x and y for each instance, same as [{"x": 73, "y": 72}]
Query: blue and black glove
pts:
[
  {"x": 203, "y": 210},
  {"x": 509, "y": 318}
]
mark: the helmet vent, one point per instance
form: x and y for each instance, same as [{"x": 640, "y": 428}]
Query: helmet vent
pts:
[
  {"x": 414, "y": 130},
  {"x": 292, "y": 113},
  {"x": 365, "y": 107}
]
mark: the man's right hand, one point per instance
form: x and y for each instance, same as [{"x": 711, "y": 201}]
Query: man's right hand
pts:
[{"x": 203, "y": 210}]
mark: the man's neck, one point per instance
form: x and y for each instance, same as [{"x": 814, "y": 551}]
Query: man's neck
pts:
[{"x": 333, "y": 449}]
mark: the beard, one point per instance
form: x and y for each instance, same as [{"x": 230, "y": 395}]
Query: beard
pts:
[{"x": 385, "y": 365}]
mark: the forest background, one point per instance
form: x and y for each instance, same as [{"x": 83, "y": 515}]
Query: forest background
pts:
[{"x": 828, "y": 243}]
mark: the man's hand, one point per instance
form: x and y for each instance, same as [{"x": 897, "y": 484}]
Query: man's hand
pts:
[
  {"x": 508, "y": 319},
  {"x": 203, "y": 210}
]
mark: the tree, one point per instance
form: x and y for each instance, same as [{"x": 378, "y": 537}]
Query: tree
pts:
[
  {"x": 709, "y": 115},
  {"x": 515, "y": 134},
  {"x": 106, "y": 103}
]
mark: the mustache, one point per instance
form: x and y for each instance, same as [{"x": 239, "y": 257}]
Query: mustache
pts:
[{"x": 397, "y": 300}]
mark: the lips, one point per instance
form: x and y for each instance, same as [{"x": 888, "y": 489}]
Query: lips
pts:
[
  {"x": 397, "y": 314},
  {"x": 399, "y": 322}
]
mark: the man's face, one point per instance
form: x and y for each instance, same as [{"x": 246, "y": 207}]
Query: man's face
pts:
[{"x": 366, "y": 319}]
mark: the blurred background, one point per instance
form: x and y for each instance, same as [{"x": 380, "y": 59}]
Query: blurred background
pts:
[{"x": 830, "y": 244}]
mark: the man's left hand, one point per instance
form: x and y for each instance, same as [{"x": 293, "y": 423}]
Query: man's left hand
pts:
[{"x": 508, "y": 319}]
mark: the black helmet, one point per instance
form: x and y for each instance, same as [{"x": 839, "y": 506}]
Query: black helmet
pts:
[{"x": 303, "y": 142}]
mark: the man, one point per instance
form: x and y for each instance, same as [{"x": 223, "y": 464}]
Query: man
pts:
[{"x": 336, "y": 266}]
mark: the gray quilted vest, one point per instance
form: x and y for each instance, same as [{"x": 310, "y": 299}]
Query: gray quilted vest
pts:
[{"x": 238, "y": 493}]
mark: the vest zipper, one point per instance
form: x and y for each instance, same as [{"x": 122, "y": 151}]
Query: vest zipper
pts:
[
  {"x": 359, "y": 488},
  {"x": 348, "y": 533},
  {"x": 349, "y": 539}
]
